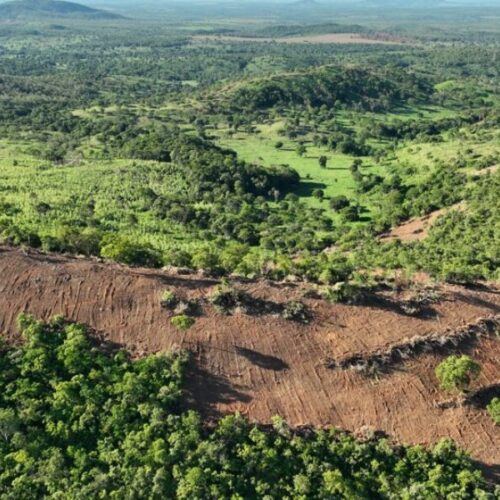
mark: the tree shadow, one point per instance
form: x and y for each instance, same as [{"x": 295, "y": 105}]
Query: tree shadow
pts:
[
  {"x": 481, "y": 287},
  {"x": 491, "y": 471},
  {"x": 204, "y": 391},
  {"x": 264, "y": 361},
  {"x": 306, "y": 188},
  {"x": 478, "y": 301},
  {"x": 190, "y": 282},
  {"x": 424, "y": 311},
  {"x": 482, "y": 397}
]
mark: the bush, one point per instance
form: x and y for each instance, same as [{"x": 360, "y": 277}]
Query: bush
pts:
[
  {"x": 494, "y": 410},
  {"x": 339, "y": 202},
  {"x": 226, "y": 298},
  {"x": 318, "y": 193},
  {"x": 350, "y": 213},
  {"x": 296, "y": 311},
  {"x": 206, "y": 259},
  {"x": 189, "y": 307},
  {"x": 124, "y": 251},
  {"x": 456, "y": 373},
  {"x": 169, "y": 300},
  {"x": 182, "y": 322},
  {"x": 344, "y": 292}
]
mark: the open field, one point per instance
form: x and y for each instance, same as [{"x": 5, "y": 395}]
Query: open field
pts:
[
  {"x": 336, "y": 179},
  {"x": 264, "y": 365},
  {"x": 341, "y": 38}
]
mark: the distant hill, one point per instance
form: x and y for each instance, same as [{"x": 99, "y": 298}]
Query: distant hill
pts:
[
  {"x": 306, "y": 3},
  {"x": 22, "y": 9},
  {"x": 407, "y": 4}
]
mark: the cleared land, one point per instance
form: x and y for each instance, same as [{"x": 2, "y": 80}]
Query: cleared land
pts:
[
  {"x": 416, "y": 229},
  {"x": 262, "y": 365},
  {"x": 354, "y": 38}
]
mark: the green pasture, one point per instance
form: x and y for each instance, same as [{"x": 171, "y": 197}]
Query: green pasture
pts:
[{"x": 336, "y": 179}]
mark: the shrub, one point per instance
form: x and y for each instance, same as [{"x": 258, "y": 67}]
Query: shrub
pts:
[
  {"x": 169, "y": 300},
  {"x": 124, "y": 251},
  {"x": 295, "y": 311},
  {"x": 344, "y": 293},
  {"x": 457, "y": 373},
  {"x": 182, "y": 322},
  {"x": 339, "y": 202},
  {"x": 417, "y": 304},
  {"x": 350, "y": 213},
  {"x": 189, "y": 307},
  {"x": 494, "y": 410},
  {"x": 226, "y": 298},
  {"x": 206, "y": 259},
  {"x": 318, "y": 193}
]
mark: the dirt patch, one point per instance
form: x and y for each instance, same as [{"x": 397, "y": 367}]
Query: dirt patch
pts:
[
  {"x": 342, "y": 38},
  {"x": 263, "y": 365},
  {"x": 416, "y": 229}
]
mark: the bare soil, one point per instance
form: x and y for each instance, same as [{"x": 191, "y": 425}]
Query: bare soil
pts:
[
  {"x": 416, "y": 229},
  {"x": 342, "y": 38},
  {"x": 263, "y": 365}
]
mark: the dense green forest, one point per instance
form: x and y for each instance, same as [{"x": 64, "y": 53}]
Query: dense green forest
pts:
[{"x": 77, "y": 423}]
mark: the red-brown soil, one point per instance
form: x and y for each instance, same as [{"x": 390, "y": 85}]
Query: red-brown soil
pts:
[
  {"x": 416, "y": 229},
  {"x": 266, "y": 365}
]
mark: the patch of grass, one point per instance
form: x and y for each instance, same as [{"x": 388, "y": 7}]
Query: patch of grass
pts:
[
  {"x": 336, "y": 179},
  {"x": 182, "y": 322}
]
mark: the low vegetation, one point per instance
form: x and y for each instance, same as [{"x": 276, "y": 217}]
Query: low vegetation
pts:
[
  {"x": 494, "y": 410},
  {"x": 457, "y": 373},
  {"x": 182, "y": 321}
]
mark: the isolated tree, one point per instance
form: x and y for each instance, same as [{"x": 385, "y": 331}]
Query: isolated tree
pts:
[
  {"x": 278, "y": 144},
  {"x": 318, "y": 193},
  {"x": 456, "y": 373},
  {"x": 339, "y": 202},
  {"x": 301, "y": 150},
  {"x": 322, "y": 161},
  {"x": 355, "y": 165},
  {"x": 494, "y": 410}
]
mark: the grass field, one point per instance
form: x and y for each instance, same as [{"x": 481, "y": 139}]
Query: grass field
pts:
[{"x": 336, "y": 179}]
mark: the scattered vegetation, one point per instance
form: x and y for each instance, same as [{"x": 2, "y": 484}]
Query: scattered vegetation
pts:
[
  {"x": 303, "y": 151},
  {"x": 296, "y": 311}
]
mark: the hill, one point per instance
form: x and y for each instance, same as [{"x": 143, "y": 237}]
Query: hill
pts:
[
  {"x": 339, "y": 368},
  {"x": 330, "y": 85},
  {"x": 51, "y": 8}
]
